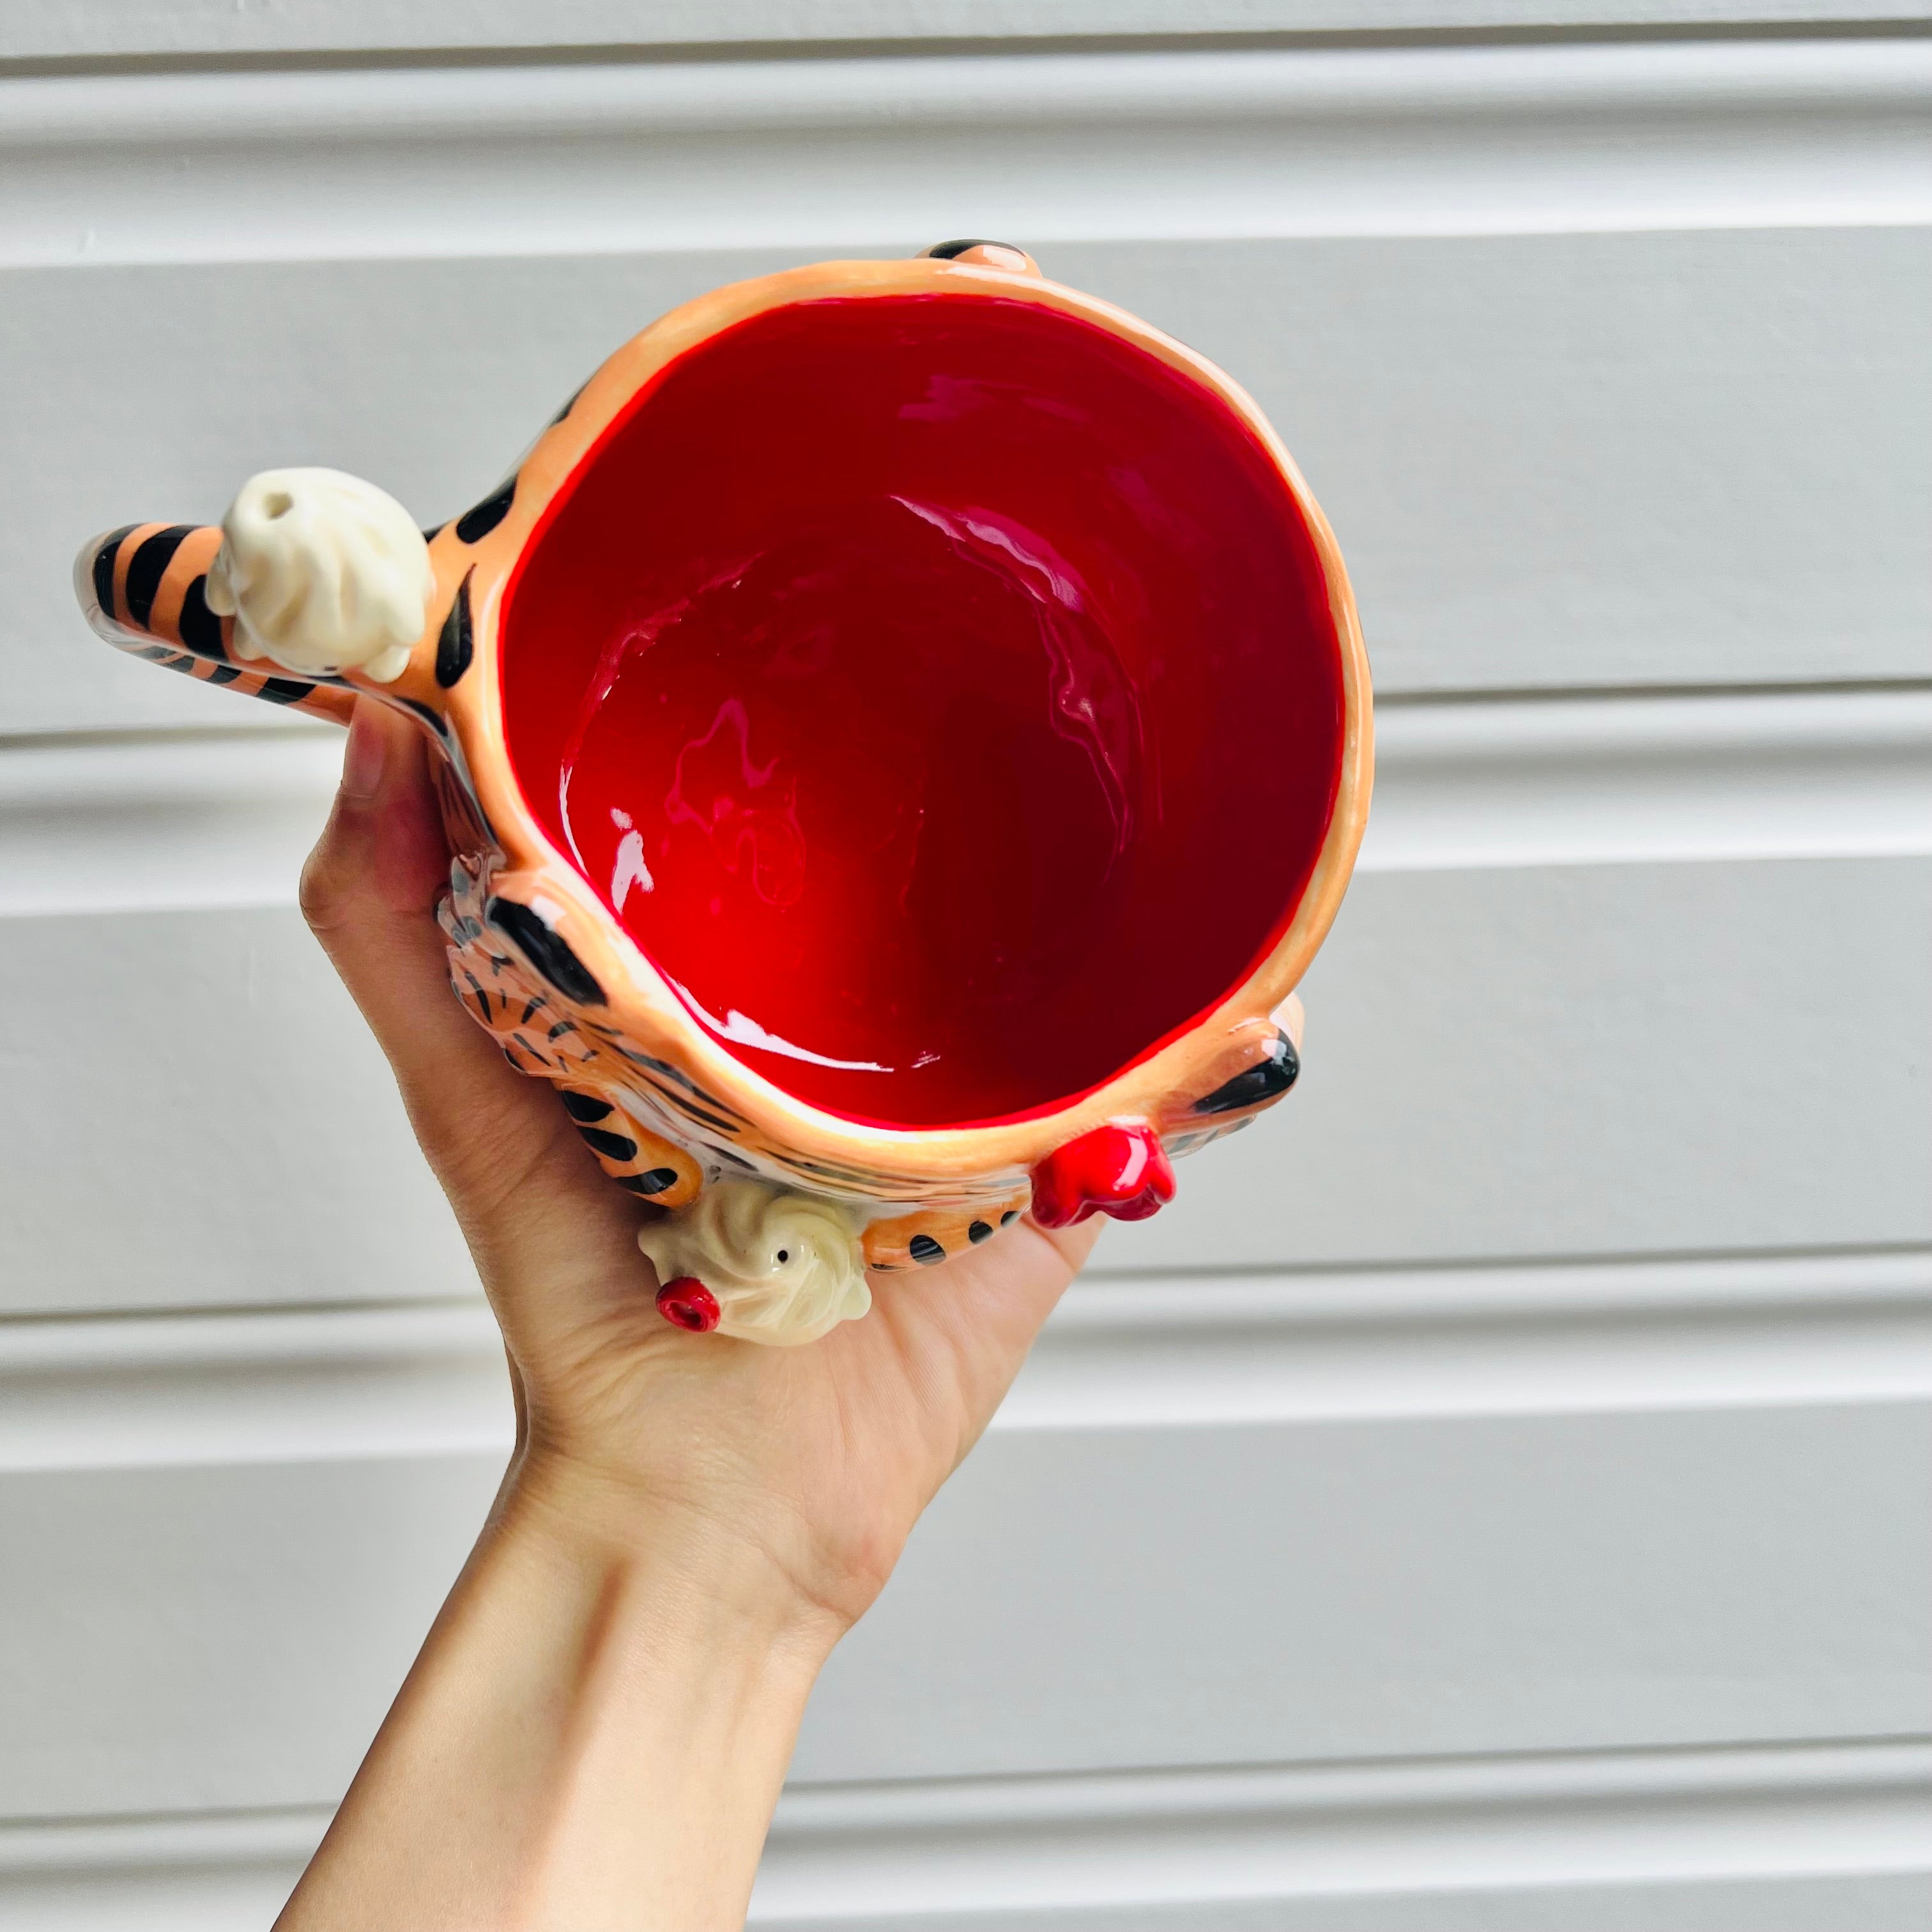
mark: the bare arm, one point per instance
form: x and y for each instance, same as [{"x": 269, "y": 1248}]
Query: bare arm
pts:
[{"x": 597, "y": 1728}]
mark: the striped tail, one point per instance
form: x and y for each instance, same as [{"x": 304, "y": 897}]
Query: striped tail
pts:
[{"x": 144, "y": 589}]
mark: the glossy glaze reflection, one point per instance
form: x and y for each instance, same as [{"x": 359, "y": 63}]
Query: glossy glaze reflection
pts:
[{"x": 947, "y": 705}]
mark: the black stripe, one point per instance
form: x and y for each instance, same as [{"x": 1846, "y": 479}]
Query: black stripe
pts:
[
  {"x": 653, "y": 1182},
  {"x": 585, "y": 1107},
  {"x": 149, "y": 565},
  {"x": 224, "y": 674},
  {"x": 827, "y": 1171},
  {"x": 978, "y": 1231},
  {"x": 1265, "y": 1080},
  {"x": 944, "y": 251},
  {"x": 716, "y": 1121},
  {"x": 284, "y": 690},
  {"x": 676, "y": 1075},
  {"x": 455, "y": 646},
  {"x": 200, "y": 629},
  {"x": 924, "y": 1250},
  {"x": 548, "y": 952},
  {"x": 482, "y": 998},
  {"x": 104, "y": 566},
  {"x": 473, "y": 526},
  {"x": 613, "y": 1147}
]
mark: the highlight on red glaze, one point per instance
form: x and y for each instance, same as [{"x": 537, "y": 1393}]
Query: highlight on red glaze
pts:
[
  {"x": 1120, "y": 1169},
  {"x": 688, "y": 1303},
  {"x": 943, "y": 693}
]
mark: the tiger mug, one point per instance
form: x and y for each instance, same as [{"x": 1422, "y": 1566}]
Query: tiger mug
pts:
[{"x": 902, "y": 731}]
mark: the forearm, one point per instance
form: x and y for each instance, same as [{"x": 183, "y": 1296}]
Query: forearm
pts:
[{"x": 593, "y": 1737}]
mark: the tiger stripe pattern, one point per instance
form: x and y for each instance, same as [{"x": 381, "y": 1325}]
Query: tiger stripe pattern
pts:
[{"x": 149, "y": 581}]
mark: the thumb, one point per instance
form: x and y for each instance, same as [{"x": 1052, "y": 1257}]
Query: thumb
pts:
[{"x": 368, "y": 893}]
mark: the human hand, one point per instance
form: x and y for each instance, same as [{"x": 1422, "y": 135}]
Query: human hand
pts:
[
  {"x": 596, "y": 1730},
  {"x": 823, "y": 1456}
]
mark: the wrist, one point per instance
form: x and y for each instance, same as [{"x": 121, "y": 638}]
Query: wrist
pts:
[
  {"x": 731, "y": 1572},
  {"x": 604, "y": 1712}
]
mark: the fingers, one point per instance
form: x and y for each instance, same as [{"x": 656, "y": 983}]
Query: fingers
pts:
[
  {"x": 1073, "y": 1244},
  {"x": 368, "y": 892},
  {"x": 965, "y": 1328},
  {"x": 990, "y": 1302},
  {"x": 1058, "y": 1256}
]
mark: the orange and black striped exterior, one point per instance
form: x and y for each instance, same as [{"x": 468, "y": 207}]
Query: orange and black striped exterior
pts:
[{"x": 148, "y": 583}]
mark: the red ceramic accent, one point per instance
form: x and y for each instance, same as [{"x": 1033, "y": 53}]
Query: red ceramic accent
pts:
[
  {"x": 1120, "y": 1170},
  {"x": 688, "y": 1303},
  {"x": 948, "y": 706}
]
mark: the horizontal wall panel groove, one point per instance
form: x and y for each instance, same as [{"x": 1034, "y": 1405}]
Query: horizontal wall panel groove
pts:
[
  {"x": 289, "y": 1386},
  {"x": 79, "y": 29},
  {"x": 154, "y": 822},
  {"x": 349, "y": 1384},
  {"x": 1553, "y": 461},
  {"x": 1004, "y": 1850},
  {"x": 1620, "y": 780},
  {"x": 1502, "y": 1062},
  {"x": 193, "y": 819},
  {"x": 1005, "y": 1846},
  {"x": 1624, "y": 1053},
  {"x": 1634, "y": 1336},
  {"x": 575, "y": 158},
  {"x": 1250, "y": 1593}
]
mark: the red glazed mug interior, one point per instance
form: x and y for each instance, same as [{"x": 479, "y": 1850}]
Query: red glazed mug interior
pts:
[{"x": 946, "y": 696}]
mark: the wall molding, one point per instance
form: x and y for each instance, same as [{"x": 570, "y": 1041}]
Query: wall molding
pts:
[
  {"x": 80, "y": 29},
  {"x": 152, "y": 822},
  {"x": 1150, "y": 1350},
  {"x": 867, "y": 153},
  {"x": 264, "y": 1386},
  {"x": 1359, "y": 1345},
  {"x": 1005, "y": 1847},
  {"x": 1204, "y": 1837},
  {"x": 1632, "y": 779}
]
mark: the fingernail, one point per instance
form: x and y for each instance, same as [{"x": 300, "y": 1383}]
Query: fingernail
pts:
[{"x": 362, "y": 760}]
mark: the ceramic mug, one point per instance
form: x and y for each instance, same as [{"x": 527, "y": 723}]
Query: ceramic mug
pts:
[{"x": 904, "y": 732}]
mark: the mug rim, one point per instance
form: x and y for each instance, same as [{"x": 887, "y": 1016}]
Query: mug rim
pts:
[{"x": 640, "y": 1004}]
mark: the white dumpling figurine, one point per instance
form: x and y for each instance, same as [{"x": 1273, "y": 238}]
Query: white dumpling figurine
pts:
[
  {"x": 322, "y": 573},
  {"x": 759, "y": 1262}
]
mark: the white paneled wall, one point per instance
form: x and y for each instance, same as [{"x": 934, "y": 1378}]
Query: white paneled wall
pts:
[{"x": 1495, "y": 1495}]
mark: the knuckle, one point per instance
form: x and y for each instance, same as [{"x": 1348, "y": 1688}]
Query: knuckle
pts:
[{"x": 326, "y": 889}]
